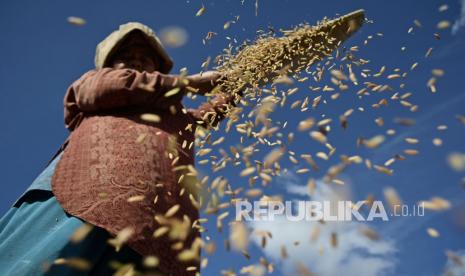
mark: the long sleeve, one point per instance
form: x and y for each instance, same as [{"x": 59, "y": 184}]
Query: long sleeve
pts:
[
  {"x": 210, "y": 113},
  {"x": 107, "y": 89}
]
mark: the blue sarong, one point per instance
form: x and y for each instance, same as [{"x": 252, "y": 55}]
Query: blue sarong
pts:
[{"x": 36, "y": 231}]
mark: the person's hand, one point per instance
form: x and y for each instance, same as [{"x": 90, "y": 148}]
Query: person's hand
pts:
[
  {"x": 205, "y": 77},
  {"x": 211, "y": 75},
  {"x": 205, "y": 81}
]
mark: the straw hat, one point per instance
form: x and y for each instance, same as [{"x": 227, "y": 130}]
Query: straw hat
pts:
[{"x": 112, "y": 42}]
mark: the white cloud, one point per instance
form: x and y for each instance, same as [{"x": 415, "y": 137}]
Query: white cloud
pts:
[
  {"x": 460, "y": 22},
  {"x": 355, "y": 254},
  {"x": 455, "y": 265}
]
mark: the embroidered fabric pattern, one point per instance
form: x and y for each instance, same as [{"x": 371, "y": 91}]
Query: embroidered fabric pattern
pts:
[{"x": 107, "y": 162}]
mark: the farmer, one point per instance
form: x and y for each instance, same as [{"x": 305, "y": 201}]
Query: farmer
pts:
[{"x": 124, "y": 172}]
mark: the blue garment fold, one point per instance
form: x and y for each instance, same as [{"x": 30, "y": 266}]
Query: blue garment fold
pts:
[
  {"x": 44, "y": 181},
  {"x": 36, "y": 231}
]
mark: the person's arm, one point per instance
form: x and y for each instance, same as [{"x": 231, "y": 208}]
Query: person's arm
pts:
[
  {"x": 205, "y": 82},
  {"x": 107, "y": 89},
  {"x": 210, "y": 113}
]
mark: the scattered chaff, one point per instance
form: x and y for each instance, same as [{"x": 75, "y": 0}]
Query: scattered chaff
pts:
[{"x": 77, "y": 21}]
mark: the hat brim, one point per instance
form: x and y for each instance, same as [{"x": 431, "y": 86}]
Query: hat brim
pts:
[{"x": 109, "y": 46}]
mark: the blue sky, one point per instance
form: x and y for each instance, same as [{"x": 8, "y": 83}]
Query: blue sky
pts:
[{"x": 41, "y": 54}]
